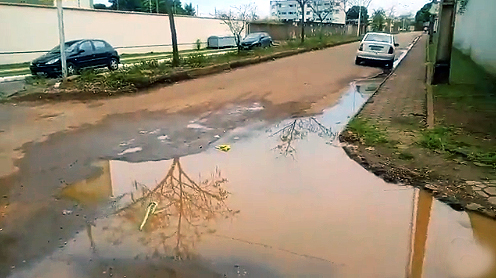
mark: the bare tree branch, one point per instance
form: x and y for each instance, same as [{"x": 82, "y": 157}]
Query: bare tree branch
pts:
[{"x": 237, "y": 19}]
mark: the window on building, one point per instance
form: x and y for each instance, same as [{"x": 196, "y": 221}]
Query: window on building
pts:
[
  {"x": 291, "y": 5},
  {"x": 283, "y": 13},
  {"x": 308, "y": 13}
]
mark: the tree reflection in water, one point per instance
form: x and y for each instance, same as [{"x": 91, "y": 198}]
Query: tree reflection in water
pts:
[
  {"x": 298, "y": 129},
  {"x": 184, "y": 208}
]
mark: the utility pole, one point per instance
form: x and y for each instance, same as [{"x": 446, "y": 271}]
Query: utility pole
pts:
[
  {"x": 60, "y": 17},
  {"x": 445, "y": 42}
]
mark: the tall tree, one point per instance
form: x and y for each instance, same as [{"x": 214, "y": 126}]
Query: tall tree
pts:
[
  {"x": 424, "y": 15},
  {"x": 175, "y": 50},
  {"x": 321, "y": 11},
  {"x": 302, "y": 4},
  {"x": 354, "y": 12},
  {"x": 237, "y": 19},
  {"x": 379, "y": 20},
  {"x": 126, "y": 5},
  {"x": 189, "y": 10}
]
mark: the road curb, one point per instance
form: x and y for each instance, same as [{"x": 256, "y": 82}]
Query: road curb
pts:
[
  {"x": 13, "y": 78},
  {"x": 412, "y": 44}
]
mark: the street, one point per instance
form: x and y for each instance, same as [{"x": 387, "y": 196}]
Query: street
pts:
[{"x": 139, "y": 185}]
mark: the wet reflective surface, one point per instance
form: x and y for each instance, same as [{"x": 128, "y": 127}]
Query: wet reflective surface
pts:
[{"x": 155, "y": 198}]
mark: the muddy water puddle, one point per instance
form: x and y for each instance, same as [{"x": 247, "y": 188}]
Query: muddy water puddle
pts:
[{"x": 284, "y": 201}]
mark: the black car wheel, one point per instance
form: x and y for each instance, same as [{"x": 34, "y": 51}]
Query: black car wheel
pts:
[
  {"x": 113, "y": 64},
  {"x": 358, "y": 61},
  {"x": 71, "y": 69}
]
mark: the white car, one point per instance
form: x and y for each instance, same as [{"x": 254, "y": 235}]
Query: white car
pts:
[{"x": 378, "y": 47}]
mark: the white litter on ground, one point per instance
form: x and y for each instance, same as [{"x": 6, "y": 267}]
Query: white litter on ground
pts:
[{"x": 131, "y": 150}]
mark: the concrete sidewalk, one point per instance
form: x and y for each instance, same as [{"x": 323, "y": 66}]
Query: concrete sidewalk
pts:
[{"x": 403, "y": 94}]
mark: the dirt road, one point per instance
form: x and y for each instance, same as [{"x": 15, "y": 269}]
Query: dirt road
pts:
[
  {"x": 136, "y": 193},
  {"x": 304, "y": 83}
]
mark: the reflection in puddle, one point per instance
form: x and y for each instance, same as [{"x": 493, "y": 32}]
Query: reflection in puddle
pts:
[{"x": 312, "y": 213}]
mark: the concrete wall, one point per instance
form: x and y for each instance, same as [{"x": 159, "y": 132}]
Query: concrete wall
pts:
[
  {"x": 475, "y": 33},
  {"x": 288, "y": 31},
  {"x": 28, "y": 27}
]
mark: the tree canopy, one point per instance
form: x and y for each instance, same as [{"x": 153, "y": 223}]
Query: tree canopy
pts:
[
  {"x": 152, "y": 6},
  {"x": 424, "y": 15},
  {"x": 379, "y": 20},
  {"x": 354, "y": 11}
]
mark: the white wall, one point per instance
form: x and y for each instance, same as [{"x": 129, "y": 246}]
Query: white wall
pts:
[
  {"x": 25, "y": 28},
  {"x": 475, "y": 33}
]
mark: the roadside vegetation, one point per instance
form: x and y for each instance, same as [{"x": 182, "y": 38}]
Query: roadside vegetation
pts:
[
  {"x": 367, "y": 132},
  {"x": 464, "y": 111}
]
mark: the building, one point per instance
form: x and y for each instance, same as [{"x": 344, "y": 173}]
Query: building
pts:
[{"x": 325, "y": 11}]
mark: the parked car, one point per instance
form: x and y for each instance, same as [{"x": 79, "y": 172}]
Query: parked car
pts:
[
  {"x": 80, "y": 54},
  {"x": 377, "y": 46},
  {"x": 259, "y": 39}
]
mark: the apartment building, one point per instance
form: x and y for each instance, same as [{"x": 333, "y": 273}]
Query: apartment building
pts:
[{"x": 326, "y": 11}]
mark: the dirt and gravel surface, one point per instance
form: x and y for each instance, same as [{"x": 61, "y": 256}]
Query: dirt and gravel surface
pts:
[
  {"x": 310, "y": 82},
  {"x": 135, "y": 186},
  {"x": 399, "y": 109}
]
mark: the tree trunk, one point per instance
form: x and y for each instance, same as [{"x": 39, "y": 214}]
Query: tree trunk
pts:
[
  {"x": 175, "y": 50},
  {"x": 302, "y": 23}
]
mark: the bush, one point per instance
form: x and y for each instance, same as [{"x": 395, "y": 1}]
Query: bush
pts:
[
  {"x": 198, "y": 44},
  {"x": 196, "y": 60}
]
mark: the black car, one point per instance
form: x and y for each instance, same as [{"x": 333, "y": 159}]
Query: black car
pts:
[
  {"x": 80, "y": 54},
  {"x": 259, "y": 39}
]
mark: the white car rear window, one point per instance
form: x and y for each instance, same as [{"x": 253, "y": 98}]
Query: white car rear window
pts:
[{"x": 378, "y": 38}]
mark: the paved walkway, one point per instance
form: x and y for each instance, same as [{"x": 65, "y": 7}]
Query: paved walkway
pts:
[
  {"x": 403, "y": 95},
  {"x": 399, "y": 109}
]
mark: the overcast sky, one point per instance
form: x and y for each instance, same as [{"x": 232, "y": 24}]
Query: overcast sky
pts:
[{"x": 207, "y": 7}]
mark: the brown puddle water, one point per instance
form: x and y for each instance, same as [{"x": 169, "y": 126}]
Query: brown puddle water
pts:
[{"x": 285, "y": 201}]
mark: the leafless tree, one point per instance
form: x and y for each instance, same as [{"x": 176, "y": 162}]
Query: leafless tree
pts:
[
  {"x": 321, "y": 11},
  {"x": 237, "y": 19},
  {"x": 390, "y": 17},
  {"x": 298, "y": 129},
  {"x": 175, "y": 213},
  {"x": 302, "y": 4}
]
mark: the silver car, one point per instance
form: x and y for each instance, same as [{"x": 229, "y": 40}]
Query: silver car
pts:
[{"x": 377, "y": 46}]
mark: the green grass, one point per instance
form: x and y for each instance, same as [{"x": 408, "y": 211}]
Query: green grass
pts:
[
  {"x": 447, "y": 140},
  {"x": 465, "y": 111},
  {"x": 14, "y": 66},
  {"x": 370, "y": 133}
]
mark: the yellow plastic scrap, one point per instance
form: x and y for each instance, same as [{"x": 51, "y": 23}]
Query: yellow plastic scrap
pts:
[
  {"x": 149, "y": 211},
  {"x": 224, "y": 148}
]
